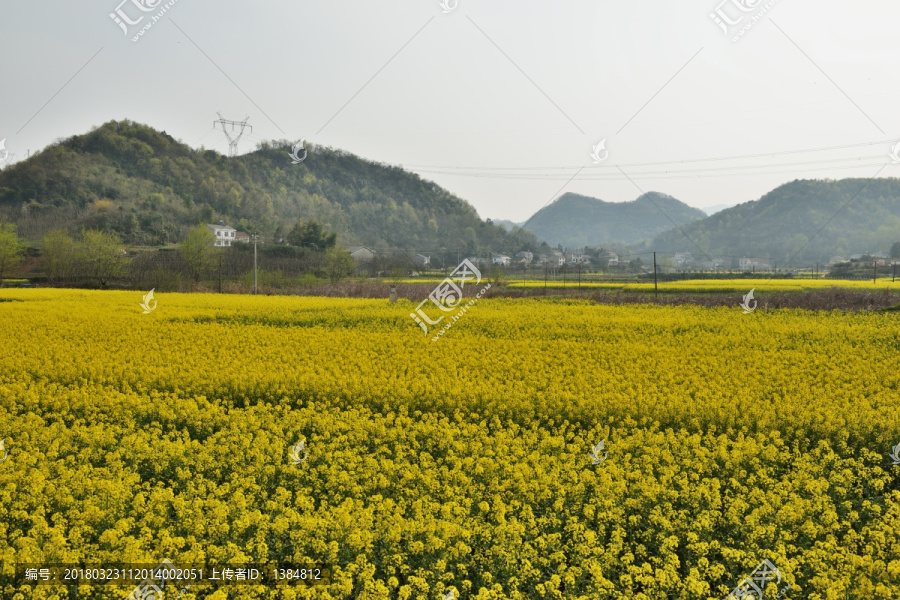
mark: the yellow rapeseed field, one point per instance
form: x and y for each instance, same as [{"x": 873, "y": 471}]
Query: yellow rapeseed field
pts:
[
  {"x": 715, "y": 285},
  {"x": 457, "y": 466}
]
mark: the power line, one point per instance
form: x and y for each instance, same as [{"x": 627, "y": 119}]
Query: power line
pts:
[
  {"x": 852, "y": 198},
  {"x": 672, "y": 162},
  {"x": 762, "y": 166},
  {"x": 645, "y": 195},
  {"x": 551, "y": 199},
  {"x": 726, "y": 172}
]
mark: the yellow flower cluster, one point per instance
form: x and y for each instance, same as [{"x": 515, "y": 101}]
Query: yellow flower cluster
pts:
[
  {"x": 463, "y": 465},
  {"x": 717, "y": 285}
]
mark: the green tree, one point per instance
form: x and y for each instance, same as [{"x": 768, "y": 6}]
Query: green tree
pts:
[
  {"x": 198, "y": 250},
  {"x": 665, "y": 264},
  {"x": 102, "y": 255},
  {"x": 396, "y": 275},
  {"x": 59, "y": 254},
  {"x": 634, "y": 265},
  {"x": 311, "y": 234},
  {"x": 338, "y": 264},
  {"x": 895, "y": 250},
  {"x": 10, "y": 249}
]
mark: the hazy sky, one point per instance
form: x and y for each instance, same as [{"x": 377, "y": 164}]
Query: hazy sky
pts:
[{"x": 498, "y": 101}]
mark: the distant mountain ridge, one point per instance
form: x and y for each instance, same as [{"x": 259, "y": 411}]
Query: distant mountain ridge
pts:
[
  {"x": 805, "y": 219},
  {"x": 575, "y": 221},
  {"x": 711, "y": 210}
]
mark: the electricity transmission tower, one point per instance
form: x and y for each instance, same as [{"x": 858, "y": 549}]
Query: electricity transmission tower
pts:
[{"x": 233, "y": 138}]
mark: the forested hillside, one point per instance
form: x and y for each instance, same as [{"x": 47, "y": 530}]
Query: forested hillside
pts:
[
  {"x": 575, "y": 221},
  {"x": 131, "y": 179},
  {"x": 854, "y": 216}
]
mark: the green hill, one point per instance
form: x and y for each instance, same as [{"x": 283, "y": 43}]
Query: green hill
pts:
[
  {"x": 854, "y": 217},
  {"x": 576, "y": 221},
  {"x": 133, "y": 180}
]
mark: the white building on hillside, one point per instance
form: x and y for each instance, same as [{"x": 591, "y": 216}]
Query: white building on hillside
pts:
[
  {"x": 224, "y": 234},
  {"x": 361, "y": 253}
]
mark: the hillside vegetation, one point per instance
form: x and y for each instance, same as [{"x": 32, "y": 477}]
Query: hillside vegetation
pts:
[
  {"x": 142, "y": 184},
  {"x": 575, "y": 221},
  {"x": 864, "y": 216}
]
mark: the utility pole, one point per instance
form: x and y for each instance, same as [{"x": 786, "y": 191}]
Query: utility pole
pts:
[
  {"x": 255, "y": 238},
  {"x": 874, "y": 270},
  {"x": 655, "y": 285},
  {"x": 232, "y": 138}
]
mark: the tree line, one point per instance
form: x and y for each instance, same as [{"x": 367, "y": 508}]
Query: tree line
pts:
[{"x": 101, "y": 259}]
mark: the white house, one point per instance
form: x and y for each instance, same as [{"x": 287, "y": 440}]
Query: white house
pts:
[
  {"x": 421, "y": 259},
  {"x": 501, "y": 259},
  {"x": 683, "y": 259},
  {"x": 361, "y": 253},
  {"x": 752, "y": 263},
  {"x": 224, "y": 234},
  {"x": 557, "y": 258},
  {"x": 552, "y": 260}
]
